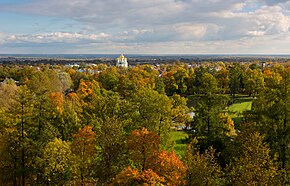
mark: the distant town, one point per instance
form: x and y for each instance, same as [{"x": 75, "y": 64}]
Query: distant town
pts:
[{"x": 133, "y": 59}]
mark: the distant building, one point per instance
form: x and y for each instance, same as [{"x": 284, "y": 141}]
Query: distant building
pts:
[{"x": 122, "y": 61}]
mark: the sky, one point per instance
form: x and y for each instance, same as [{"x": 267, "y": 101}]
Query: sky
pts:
[{"x": 144, "y": 26}]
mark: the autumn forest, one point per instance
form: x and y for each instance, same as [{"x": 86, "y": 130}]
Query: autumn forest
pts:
[{"x": 104, "y": 125}]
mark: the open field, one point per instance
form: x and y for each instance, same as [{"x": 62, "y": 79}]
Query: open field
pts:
[
  {"x": 242, "y": 103},
  {"x": 180, "y": 139}
]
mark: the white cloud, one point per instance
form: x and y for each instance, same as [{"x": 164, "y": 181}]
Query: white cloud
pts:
[
  {"x": 131, "y": 35},
  {"x": 256, "y": 33},
  {"x": 57, "y": 37},
  {"x": 272, "y": 20},
  {"x": 273, "y": 2},
  {"x": 1, "y": 37},
  {"x": 250, "y": 45},
  {"x": 160, "y": 25},
  {"x": 265, "y": 20},
  {"x": 191, "y": 30}
]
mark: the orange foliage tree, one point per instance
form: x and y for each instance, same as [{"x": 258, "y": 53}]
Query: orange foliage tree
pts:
[
  {"x": 169, "y": 166},
  {"x": 164, "y": 166},
  {"x": 83, "y": 147},
  {"x": 88, "y": 90},
  {"x": 57, "y": 99},
  {"x": 143, "y": 146},
  {"x": 131, "y": 176}
]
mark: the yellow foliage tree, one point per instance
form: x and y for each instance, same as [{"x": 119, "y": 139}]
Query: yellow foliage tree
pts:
[
  {"x": 254, "y": 166},
  {"x": 56, "y": 162},
  {"x": 202, "y": 169}
]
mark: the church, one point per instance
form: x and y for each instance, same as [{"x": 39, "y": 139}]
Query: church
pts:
[{"x": 122, "y": 61}]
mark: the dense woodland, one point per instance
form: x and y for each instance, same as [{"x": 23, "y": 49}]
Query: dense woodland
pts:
[{"x": 102, "y": 125}]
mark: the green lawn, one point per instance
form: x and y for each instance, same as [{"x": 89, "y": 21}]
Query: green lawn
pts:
[
  {"x": 242, "y": 103},
  {"x": 180, "y": 138},
  {"x": 237, "y": 108}
]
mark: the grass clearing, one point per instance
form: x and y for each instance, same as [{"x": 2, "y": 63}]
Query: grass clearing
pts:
[
  {"x": 180, "y": 139},
  {"x": 237, "y": 108},
  {"x": 241, "y": 104}
]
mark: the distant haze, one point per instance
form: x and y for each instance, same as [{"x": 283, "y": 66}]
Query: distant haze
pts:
[{"x": 144, "y": 56}]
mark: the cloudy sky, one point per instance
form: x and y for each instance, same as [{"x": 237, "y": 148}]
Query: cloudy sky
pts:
[{"x": 145, "y": 26}]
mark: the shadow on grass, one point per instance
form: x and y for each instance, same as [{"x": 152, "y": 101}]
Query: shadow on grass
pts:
[
  {"x": 181, "y": 141},
  {"x": 243, "y": 99},
  {"x": 237, "y": 121},
  {"x": 240, "y": 98},
  {"x": 180, "y": 150}
]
